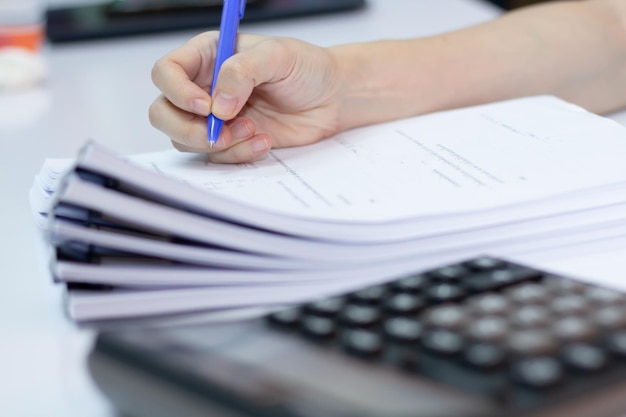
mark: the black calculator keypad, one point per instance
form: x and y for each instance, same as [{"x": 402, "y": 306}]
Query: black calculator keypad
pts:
[{"x": 485, "y": 325}]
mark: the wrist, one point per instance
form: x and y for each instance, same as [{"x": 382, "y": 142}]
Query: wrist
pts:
[
  {"x": 362, "y": 85},
  {"x": 388, "y": 80}
]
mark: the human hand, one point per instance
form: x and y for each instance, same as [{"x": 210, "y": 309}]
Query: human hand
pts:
[{"x": 274, "y": 92}]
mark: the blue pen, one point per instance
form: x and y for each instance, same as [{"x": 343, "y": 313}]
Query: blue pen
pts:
[{"x": 232, "y": 13}]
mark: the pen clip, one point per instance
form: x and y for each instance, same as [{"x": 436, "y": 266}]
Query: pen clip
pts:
[{"x": 242, "y": 9}]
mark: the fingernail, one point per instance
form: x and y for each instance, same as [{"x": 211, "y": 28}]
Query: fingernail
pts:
[
  {"x": 201, "y": 107},
  {"x": 259, "y": 145},
  {"x": 240, "y": 129},
  {"x": 224, "y": 104}
]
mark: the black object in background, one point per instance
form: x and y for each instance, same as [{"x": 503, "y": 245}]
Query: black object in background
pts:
[
  {"x": 514, "y": 4},
  {"x": 139, "y": 17}
]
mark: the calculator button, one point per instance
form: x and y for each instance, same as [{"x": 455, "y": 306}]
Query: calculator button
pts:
[
  {"x": 479, "y": 283},
  {"x": 403, "y": 329},
  {"x": 572, "y": 304},
  {"x": 328, "y": 307},
  {"x": 605, "y": 296},
  {"x": 532, "y": 343},
  {"x": 404, "y": 304},
  {"x": 447, "y": 316},
  {"x": 484, "y": 262},
  {"x": 360, "y": 316},
  {"x": 499, "y": 278},
  {"x": 443, "y": 341},
  {"x": 363, "y": 343},
  {"x": 574, "y": 329},
  {"x": 611, "y": 317},
  {"x": 450, "y": 273},
  {"x": 443, "y": 293},
  {"x": 484, "y": 356},
  {"x": 560, "y": 285},
  {"x": 514, "y": 274},
  {"x": 319, "y": 327},
  {"x": 372, "y": 295},
  {"x": 584, "y": 357},
  {"x": 538, "y": 372},
  {"x": 529, "y": 293},
  {"x": 488, "y": 304},
  {"x": 286, "y": 318},
  {"x": 531, "y": 316},
  {"x": 413, "y": 283},
  {"x": 489, "y": 329}
]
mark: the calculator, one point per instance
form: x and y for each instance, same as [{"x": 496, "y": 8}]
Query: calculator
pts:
[{"x": 484, "y": 337}]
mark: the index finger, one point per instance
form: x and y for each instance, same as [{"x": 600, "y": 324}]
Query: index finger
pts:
[{"x": 184, "y": 74}]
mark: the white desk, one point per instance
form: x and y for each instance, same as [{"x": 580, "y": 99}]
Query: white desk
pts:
[{"x": 102, "y": 90}]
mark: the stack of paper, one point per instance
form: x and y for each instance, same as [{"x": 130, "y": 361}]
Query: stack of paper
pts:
[{"x": 167, "y": 232}]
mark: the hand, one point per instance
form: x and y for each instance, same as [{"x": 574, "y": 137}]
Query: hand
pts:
[{"x": 274, "y": 92}]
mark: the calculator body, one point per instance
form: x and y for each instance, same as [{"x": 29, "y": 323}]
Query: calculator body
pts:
[{"x": 455, "y": 362}]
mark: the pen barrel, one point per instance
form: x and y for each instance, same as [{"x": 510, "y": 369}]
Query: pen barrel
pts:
[{"x": 228, "y": 36}]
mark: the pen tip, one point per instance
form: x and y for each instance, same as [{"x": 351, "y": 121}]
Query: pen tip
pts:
[{"x": 214, "y": 126}]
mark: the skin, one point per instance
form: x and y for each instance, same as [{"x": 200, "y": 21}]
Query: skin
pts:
[{"x": 279, "y": 92}]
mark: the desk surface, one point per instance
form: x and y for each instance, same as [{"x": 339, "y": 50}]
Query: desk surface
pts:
[{"x": 102, "y": 90}]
